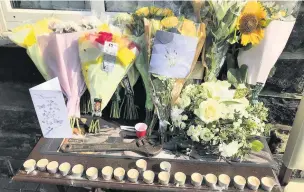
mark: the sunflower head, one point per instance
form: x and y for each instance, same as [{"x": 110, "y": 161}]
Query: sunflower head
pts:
[{"x": 251, "y": 23}]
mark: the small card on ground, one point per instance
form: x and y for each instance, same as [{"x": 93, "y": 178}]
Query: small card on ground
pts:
[{"x": 51, "y": 109}]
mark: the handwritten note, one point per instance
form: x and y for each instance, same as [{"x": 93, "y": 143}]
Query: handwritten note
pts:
[{"x": 51, "y": 109}]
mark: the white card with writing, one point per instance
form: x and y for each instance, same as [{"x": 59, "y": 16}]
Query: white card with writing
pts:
[{"x": 51, "y": 109}]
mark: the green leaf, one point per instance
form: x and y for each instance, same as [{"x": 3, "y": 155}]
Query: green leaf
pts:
[
  {"x": 230, "y": 102},
  {"x": 232, "y": 77},
  {"x": 243, "y": 73},
  {"x": 257, "y": 145},
  {"x": 230, "y": 61}
]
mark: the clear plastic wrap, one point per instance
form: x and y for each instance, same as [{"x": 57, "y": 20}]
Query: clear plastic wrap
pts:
[
  {"x": 172, "y": 45},
  {"x": 106, "y": 57}
]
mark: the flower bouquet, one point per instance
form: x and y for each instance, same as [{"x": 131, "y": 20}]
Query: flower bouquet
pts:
[
  {"x": 105, "y": 60},
  {"x": 221, "y": 19},
  {"x": 219, "y": 119},
  {"x": 52, "y": 45},
  {"x": 26, "y": 36},
  {"x": 266, "y": 39},
  {"x": 177, "y": 43}
]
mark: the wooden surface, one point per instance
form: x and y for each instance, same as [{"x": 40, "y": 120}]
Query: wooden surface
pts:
[{"x": 186, "y": 166}]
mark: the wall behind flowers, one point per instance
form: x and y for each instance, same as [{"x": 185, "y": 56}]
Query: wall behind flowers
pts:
[
  {"x": 284, "y": 88},
  {"x": 19, "y": 126}
]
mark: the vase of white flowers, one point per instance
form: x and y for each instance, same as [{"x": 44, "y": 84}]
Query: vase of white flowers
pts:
[{"x": 214, "y": 115}]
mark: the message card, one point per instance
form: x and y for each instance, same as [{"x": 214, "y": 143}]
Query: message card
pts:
[{"x": 51, "y": 109}]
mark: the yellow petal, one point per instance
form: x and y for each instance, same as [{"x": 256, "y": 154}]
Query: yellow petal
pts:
[
  {"x": 144, "y": 11},
  {"x": 245, "y": 39},
  {"x": 251, "y": 7},
  {"x": 169, "y": 22},
  {"x": 254, "y": 39},
  {"x": 188, "y": 28}
]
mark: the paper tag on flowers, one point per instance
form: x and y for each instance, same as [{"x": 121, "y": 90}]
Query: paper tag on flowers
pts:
[
  {"x": 110, "y": 52},
  {"x": 110, "y": 48}
]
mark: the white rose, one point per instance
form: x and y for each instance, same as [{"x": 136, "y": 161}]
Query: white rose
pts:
[
  {"x": 209, "y": 110},
  {"x": 230, "y": 149},
  {"x": 218, "y": 90}
]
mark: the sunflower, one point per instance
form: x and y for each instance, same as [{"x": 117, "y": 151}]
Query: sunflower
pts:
[{"x": 251, "y": 23}]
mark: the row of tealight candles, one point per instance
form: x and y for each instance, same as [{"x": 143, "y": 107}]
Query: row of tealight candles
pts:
[{"x": 211, "y": 180}]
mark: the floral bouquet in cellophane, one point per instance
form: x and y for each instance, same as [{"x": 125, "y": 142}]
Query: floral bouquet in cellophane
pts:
[
  {"x": 105, "y": 58},
  {"x": 173, "y": 45},
  {"x": 53, "y": 46},
  {"x": 26, "y": 36}
]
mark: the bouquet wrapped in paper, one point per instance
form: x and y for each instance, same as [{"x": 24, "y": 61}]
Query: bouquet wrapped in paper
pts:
[
  {"x": 105, "y": 58},
  {"x": 266, "y": 42},
  {"x": 60, "y": 53},
  {"x": 53, "y": 46}
]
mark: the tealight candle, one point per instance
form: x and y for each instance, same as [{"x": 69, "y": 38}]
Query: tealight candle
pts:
[
  {"x": 179, "y": 178},
  {"x": 197, "y": 179},
  {"x": 107, "y": 172},
  {"x": 165, "y": 166},
  {"x": 77, "y": 170},
  {"x": 141, "y": 165},
  {"x": 148, "y": 176},
  {"x": 164, "y": 177},
  {"x": 224, "y": 180},
  {"x": 119, "y": 173},
  {"x": 29, "y": 165},
  {"x": 64, "y": 168},
  {"x": 133, "y": 175},
  {"x": 253, "y": 182},
  {"x": 239, "y": 182},
  {"x": 52, "y": 167},
  {"x": 268, "y": 183},
  {"x": 41, "y": 164},
  {"x": 92, "y": 173},
  {"x": 211, "y": 180}
]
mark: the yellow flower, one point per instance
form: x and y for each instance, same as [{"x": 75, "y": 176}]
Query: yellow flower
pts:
[
  {"x": 188, "y": 28},
  {"x": 169, "y": 22},
  {"x": 209, "y": 110},
  {"x": 166, "y": 12},
  {"x": 144, "y": 11},
  {"x": 251, "y": 23}
]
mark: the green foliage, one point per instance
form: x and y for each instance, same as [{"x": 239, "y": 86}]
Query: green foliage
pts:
[
  {"x": 257, "y": 145},
  {"x": 259, "y": 110},
  {"x": 237, "y": 76},
  {"x": 221, "y": 23}
]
